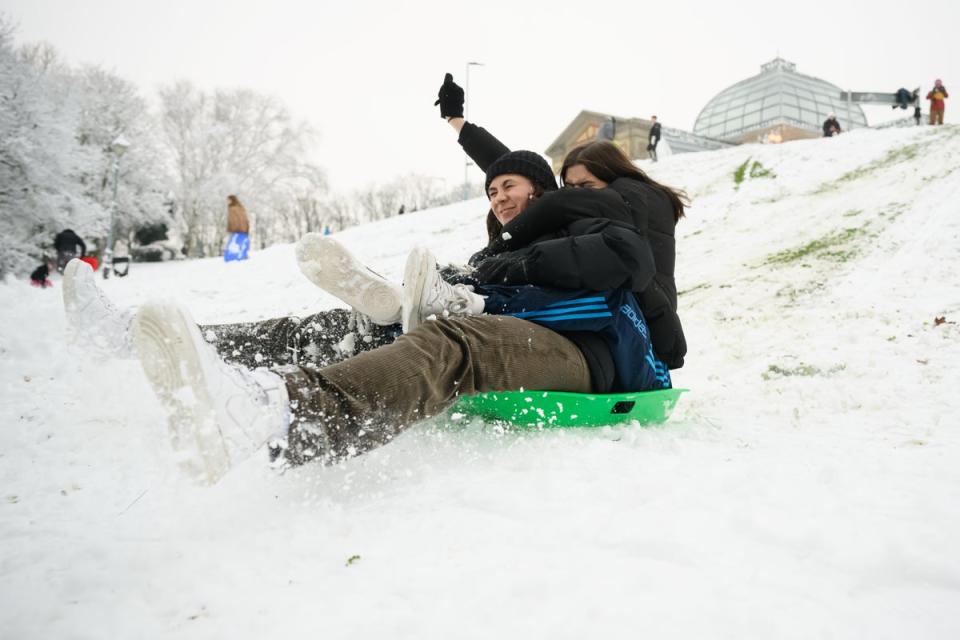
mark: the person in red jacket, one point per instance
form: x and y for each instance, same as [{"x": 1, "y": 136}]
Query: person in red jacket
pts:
[{"x": 936, "y": 97}]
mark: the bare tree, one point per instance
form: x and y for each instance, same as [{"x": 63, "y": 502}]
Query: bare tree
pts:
[{"x": 235, "y": 142}]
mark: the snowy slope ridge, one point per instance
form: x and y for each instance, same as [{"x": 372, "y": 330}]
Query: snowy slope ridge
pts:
[{"x": 806, "y": 487}]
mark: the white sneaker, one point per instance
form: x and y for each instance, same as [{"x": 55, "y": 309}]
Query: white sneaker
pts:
[
  {"x": 93, "y": 322},
  {"x": 426, "y": 294},
  {"x": 218, "y": 414},
  {"x": 330, "y": 266}
]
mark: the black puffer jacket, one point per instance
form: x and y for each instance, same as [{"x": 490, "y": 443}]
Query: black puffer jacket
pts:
[
  {"x": 575, "y": 239},
  {"x": 653, "y": 213},
  {"x": 650, "y": 211}
]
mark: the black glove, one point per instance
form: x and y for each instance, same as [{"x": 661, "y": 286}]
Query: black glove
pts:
[{"x": 450, "y": 98}]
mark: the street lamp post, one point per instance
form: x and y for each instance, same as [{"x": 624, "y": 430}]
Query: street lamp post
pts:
[
  {"x": 466, "y": 116},
  {"x": 118, "y": 147}
]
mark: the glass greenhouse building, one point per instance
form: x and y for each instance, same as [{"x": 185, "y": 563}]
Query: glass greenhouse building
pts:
[{"x": 776, "y": 105}]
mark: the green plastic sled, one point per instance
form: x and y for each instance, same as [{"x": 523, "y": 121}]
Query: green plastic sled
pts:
[{"x": 549, "y": 409}]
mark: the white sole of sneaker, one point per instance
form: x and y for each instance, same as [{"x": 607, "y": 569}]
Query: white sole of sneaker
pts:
[
  {"x": 330, "y": 266},
  {"x": 93, "y": 323},
  {"x": 419, "y": 262},
  {"x": 70, "y": 300},
  {"x": 167, "y": 338}
]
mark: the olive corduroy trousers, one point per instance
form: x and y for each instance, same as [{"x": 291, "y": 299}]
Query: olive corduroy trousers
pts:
[{"x": 363, "y": 402}]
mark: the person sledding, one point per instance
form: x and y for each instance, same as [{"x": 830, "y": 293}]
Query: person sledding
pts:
[{"x": 655, "y": 209}]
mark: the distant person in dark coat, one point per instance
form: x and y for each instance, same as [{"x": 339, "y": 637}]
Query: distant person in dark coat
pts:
[
  {"x": 904, "y": 98},
  {"x": 831, "y": 126},
  {"x": 936, "y": 97},
  {"x": 654, "y": 138},
  {"x": 67, "y": 243}
]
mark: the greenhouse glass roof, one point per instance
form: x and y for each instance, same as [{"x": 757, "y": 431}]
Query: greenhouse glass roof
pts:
[{"x": 778, "y": 95}]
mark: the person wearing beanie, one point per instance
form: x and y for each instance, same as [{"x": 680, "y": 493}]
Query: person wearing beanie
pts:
[
  {"x": 655, "y": 210},
  {"x": 525, "y": 163},
  {"x": 831, "y": 126},
  {"x": 936, "y": 96}
]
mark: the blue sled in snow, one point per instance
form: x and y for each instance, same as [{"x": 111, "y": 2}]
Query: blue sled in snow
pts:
[{"x": 238, "y": 246}]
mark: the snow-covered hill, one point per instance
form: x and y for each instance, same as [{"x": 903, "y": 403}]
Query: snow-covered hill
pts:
[{"x": 806, "y": 487}]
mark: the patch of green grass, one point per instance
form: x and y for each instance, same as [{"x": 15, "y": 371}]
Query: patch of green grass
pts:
[
  {"x": 795, "y": 293},
  {"x": 755, "y": 170},
  {"x": 740, "y": 173},
  {"x": 852, "y": 212},
  {"x": 840, "y": 256},
  {"x": 774, "y": 371},
  {"x": 702, "y": 285},
  {"x": 830, "y": 247},
  {"x": 893, "y": 211},
  {"x": 805, "y": 370},
  {"x": 893, "y": 156}
]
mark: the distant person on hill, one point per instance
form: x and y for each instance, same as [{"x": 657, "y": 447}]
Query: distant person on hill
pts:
[
  {"x": 237, "y": 220},
  {"x": 654, "y": 139},
  {"x": 905, "y": 98},
  {"x": 831, "y": 126},
  {"x": 936, "y": 96},
  {"x": 67, "y": 244},
  {"x": 40, "y": 276}
]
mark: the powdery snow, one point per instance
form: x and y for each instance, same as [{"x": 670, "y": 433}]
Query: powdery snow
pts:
[{"x": 806, "y": 487}]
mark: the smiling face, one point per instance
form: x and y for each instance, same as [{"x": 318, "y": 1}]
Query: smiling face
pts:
[
  {"x": 578, "y": 176},
  {"x": 509, "y": 195}
]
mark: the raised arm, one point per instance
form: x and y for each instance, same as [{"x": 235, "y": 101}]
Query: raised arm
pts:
[{"x": 482, "y": 147}]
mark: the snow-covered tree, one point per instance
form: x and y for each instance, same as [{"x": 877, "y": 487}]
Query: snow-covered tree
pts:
[
  {"x": 109, "y": 107},
  {"x": 56, "y": 126},
  {"x": 41, "y": 164}
]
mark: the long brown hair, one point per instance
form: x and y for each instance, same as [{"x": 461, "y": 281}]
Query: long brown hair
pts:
[{"x": 608, "y": 162}]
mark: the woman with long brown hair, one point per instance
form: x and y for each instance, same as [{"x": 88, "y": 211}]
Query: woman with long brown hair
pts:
[{"x": 656, "y": 209}]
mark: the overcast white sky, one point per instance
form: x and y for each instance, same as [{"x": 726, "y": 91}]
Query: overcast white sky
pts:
[{"x": 365, "y": 73}]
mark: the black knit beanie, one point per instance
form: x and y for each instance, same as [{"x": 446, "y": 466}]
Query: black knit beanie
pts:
[{"x": 528, "y": 164}]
